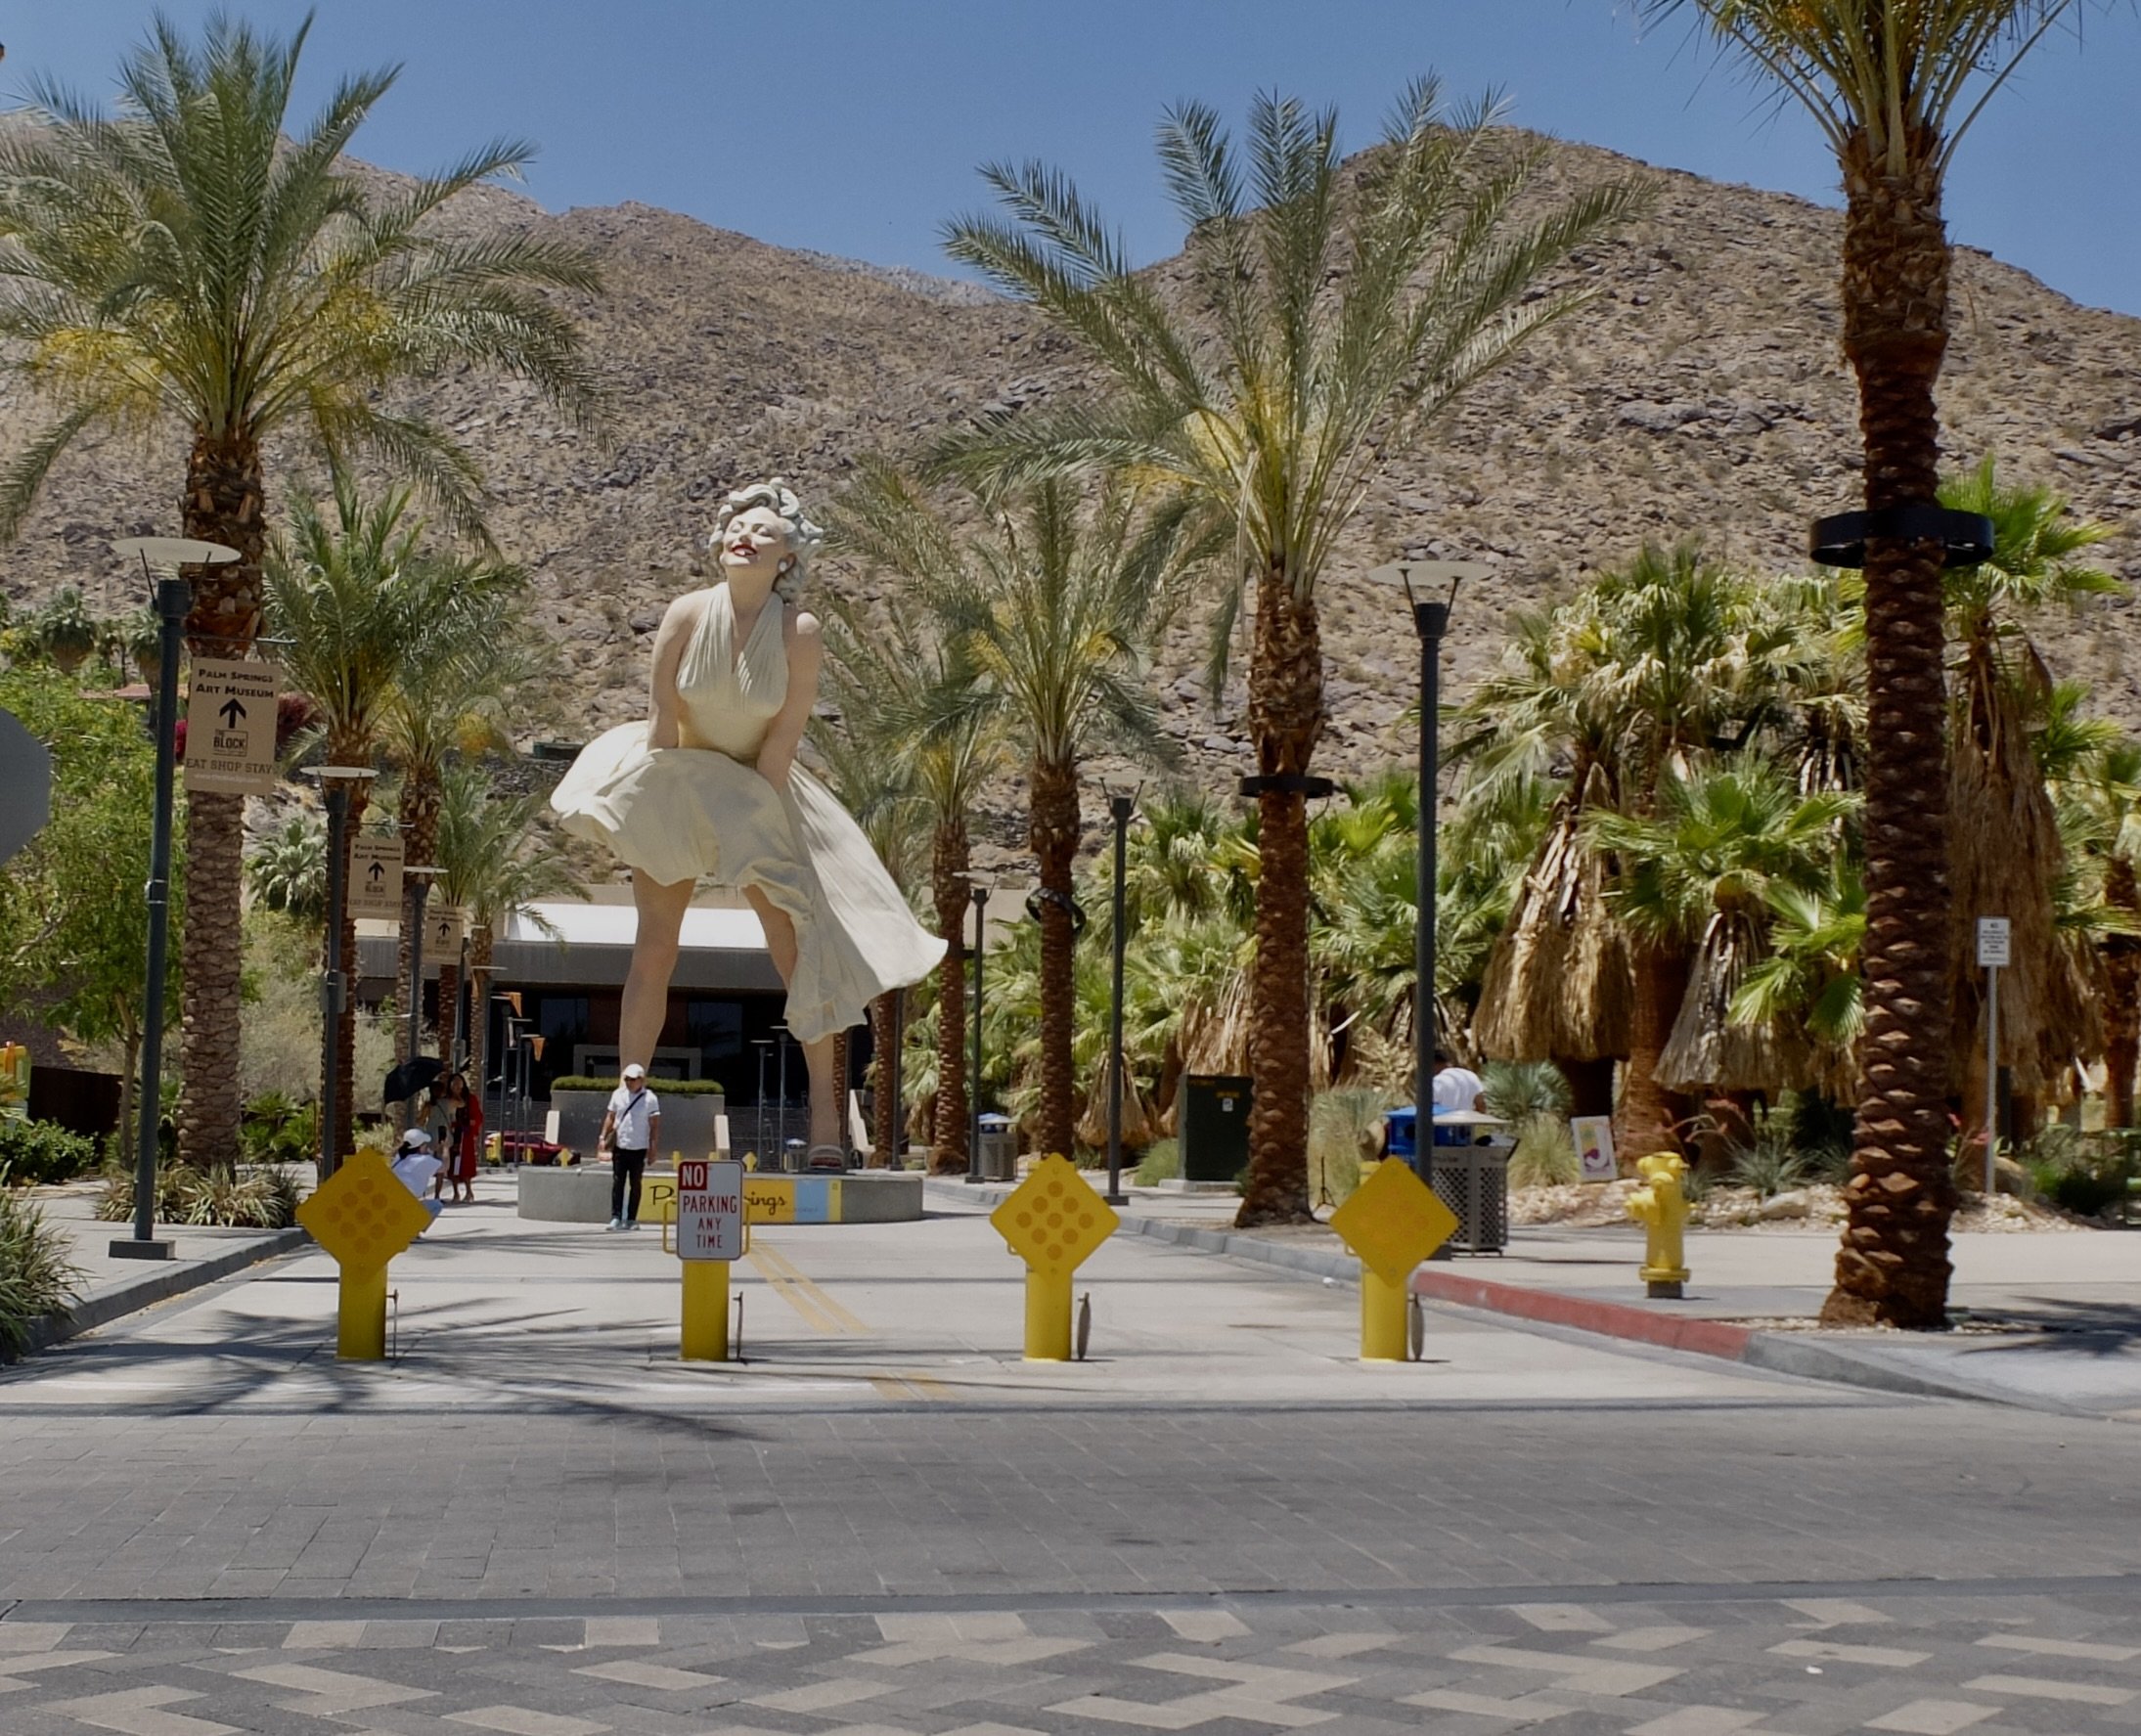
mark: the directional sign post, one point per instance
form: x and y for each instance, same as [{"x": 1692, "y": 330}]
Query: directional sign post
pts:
[
  {"x": 374, "y": 875},
  {"x": 709, "y": 1235},
  {"x": 1995, "y": 949},
  {"x": 25, "y": 785},
  {"x": 230, "y": 727}
]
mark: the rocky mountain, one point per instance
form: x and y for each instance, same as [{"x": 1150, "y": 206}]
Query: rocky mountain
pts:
[{"x": 1704, "y": 392}]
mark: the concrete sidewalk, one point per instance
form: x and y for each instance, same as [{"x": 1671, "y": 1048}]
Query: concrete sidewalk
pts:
[
  {"x": 2049, "y": 1320},
  {"x": 112, "y": 1288}
]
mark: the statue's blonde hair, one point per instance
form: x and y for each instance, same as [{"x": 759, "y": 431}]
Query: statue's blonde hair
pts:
[{"x": 804, "y": 538}]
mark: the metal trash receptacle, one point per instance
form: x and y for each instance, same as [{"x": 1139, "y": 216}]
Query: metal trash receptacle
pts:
[
  {"x": 1473, "y": 1182},
  {"x": 999, "y": 1149},
  {"x": 1214, "y": 1127}
]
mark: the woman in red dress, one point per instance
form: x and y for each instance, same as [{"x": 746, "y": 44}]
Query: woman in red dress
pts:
[{"x": 467, "y": 1137}]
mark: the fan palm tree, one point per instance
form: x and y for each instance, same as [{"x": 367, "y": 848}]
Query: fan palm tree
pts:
[
  {"x": 1702, "y": 871},
  {"x": 1325, "y": 322},
  {"x": 286, "y": 865},
  {"x": 497, "y": 860},
  {"x": 2103, "y": 793},
  {"x": 462, "y": 690},
  {"x": 201, "y": 260},
  {"x": 355, "y": 600},
  {"x": 888, "y": 673},
  {"x": 1894, "y": 85},
  {"x": 1054, "y": 610},
  {"x": 2008, "y": 855}
]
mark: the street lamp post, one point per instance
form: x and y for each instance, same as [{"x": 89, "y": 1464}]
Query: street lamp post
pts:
[
  {"x": 980, "y": 885},
  {"x": 172, "y": 595},
  {"x": 781, "y": 1036},
  {"x": 764, "y": 1046},
  {"x": 1120, "y": 808},
  {"x": 1431, "y": 620},
  {"x": 334, "y": 781},
  {"x": 420, "y": 891}
]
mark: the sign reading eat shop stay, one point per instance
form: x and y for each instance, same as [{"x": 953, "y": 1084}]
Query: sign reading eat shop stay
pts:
[{"x": 709, "y": 1209}]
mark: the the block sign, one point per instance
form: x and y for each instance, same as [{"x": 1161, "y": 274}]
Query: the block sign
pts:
[
  {"x": 230, "y": 727},
  {"x": 709, "y": 1209}
]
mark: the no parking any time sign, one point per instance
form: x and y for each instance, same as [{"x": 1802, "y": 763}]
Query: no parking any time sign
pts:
[{"x": 709, "y": 1209}]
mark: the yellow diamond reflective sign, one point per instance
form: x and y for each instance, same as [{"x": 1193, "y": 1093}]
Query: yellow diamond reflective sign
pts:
[
  {"x": 1054, "y": 1220},
  {"x": 1394, "y": 1220},
  {"x": 362, "y": 1215}
]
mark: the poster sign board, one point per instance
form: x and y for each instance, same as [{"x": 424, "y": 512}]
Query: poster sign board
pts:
[
  {"x": 1996, "y": 942},
  {"x": 374, "y": 875},
  {"x": 1593, "y": 1136},
  {"x": 709, "y": 1209},
  {"x": 442, "y": 929},
  {"x": 230, "y": 727}
]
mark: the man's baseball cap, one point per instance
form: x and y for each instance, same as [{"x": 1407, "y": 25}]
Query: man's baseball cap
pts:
[{"x": 635, "y": 1071}]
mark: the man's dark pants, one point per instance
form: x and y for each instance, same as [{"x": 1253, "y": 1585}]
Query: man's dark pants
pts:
[{"x": 625, "y": 1167}]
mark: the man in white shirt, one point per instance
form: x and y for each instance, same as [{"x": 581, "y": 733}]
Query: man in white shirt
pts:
[
  {"x": 630, "y": 1127},
  {"x": 415, "y": 1164}
]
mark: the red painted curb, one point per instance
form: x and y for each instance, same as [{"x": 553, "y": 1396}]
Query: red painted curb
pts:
[{"x": 1612, "y": 1320}]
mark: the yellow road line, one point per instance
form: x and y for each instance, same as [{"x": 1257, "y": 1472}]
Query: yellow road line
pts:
[
  {"x": 780, "y": 1269},
  {"x": 928, "y": 1386},
  {"x": 790, "y": 1292}
]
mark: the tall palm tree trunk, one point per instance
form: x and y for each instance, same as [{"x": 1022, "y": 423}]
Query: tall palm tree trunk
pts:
[
  {"x": 420, "y": 798},
  {"x": 2122, "y": 998},
  {"x": 885, "y": 1119},
  {"x": 1894, "y": 1266},
  {"x": 1285, "y": 719},
  {"x": 1647, "y": 1121},
  {"x": 345, "y": 1022},
  {"x": 1052, "y": 832},
  {"x": 948, "y": 863},
  {"x": 449, "y": 1001},
  {"x": 479, "y": 1005},
  {"x": 224, "y": 502}
]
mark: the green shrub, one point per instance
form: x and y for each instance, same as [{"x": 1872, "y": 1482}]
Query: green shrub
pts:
[
  {"x": 263, "y": 1198},
  {"x": 1535, "y": 1099},
  {"x": 1344, "y": 1127},
  {"x": 37, "y": 1277},
  {"x": 671, "y": 1087},
  {"x": 39, "y": 1152},
  {"x": 1545, "y": 1154},
  {"x": 2082, "y": 1172},
  {"x": 276, "y": 1130},
  {"x": 1162, "y": 1160}
]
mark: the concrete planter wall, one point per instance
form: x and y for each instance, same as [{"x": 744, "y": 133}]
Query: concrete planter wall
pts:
[{"x": 686, "y": 1122}]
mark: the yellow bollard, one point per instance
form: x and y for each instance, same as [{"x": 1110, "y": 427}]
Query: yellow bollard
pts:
[
  {"x": 1048, "y": 1314},
  {"x": 1662, "y": 1209},
  {"x": 1052, "y": 1222},
  {"x": 360, "y": 1318},
  {"x": 1382, "y": 1320},
  {"x": 706, "y": 1311}
]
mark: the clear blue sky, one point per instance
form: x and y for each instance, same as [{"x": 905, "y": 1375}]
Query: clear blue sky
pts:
[{"x": 853, "y": 127}]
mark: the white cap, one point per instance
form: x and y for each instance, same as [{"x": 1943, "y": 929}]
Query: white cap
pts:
[
  {"x": 416, "y": 1139},
  {"x": 635, "y": 1071}
]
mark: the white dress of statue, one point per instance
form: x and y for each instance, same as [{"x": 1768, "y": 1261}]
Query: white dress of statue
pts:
[{"x": 708, "y": 786}]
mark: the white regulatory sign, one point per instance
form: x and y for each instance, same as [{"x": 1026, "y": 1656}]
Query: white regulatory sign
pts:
[
  {"x": 709, "y": 1209},
  {"x": 1993, "y": 941}
]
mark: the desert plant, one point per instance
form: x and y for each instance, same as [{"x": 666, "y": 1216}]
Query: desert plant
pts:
[
  {"x": 37, "y": 1277},
  {"x": 1534, "y": 1098},
  {"x": 1162, "y": 1160},
  {"x": 1765, "y": 1160},
  {"x": 1344, "y": 1127},
  {"x": 261, "y": 1198},
  {"x": 37, "y": 1152},
  {"x": 2082, "y": 1172}
]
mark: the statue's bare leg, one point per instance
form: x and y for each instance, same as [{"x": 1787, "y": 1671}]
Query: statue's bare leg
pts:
[
  {"x": 825, "y": 1095},
  {"x": 646, "y": 1008}
]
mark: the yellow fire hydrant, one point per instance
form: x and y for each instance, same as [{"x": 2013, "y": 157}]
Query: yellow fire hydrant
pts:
[{"x": 1661, "y": 1208}]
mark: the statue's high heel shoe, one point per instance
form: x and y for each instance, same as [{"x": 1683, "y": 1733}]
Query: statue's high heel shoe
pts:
[{"x": 826, "y": 1157}]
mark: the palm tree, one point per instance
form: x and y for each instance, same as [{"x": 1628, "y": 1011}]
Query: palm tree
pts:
[
  {"x": 497, "y": 860},
  {"x": 1053, "y": 611},
  {"x": 2008, "y": 855},
  {"x": 286, "y": 865},
  {"x": 890, "y": 673},
  {"x": 354, "y": 599},
  {"x": 1894, "y": 85},
  {"x": 200, "y": 259},
  {"x": 1703, "y": 871},
  {"x": 462, "y": 690},
  {"x": 2103, "y": 795},
  {"x": 1323, "y": 327}
]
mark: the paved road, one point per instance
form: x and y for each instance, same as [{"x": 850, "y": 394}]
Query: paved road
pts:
[{"x": 886, "y": 1523}]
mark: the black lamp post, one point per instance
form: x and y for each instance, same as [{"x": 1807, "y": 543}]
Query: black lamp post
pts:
[
  {"x": 335, "y": 782},
  {"x": 980, "y": 884},
  {"x": 1431, "y": 620},
  {"x": 1121, "y": 807},
  {"x": 419, "y": 891},
  {"x": 172, "y": 595}
]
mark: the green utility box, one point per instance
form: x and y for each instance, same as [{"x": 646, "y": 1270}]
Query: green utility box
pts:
[{"x": 1214, "y": 1127}]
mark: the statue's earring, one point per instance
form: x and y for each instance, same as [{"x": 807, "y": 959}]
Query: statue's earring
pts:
[{"x": 787, "y": 562}]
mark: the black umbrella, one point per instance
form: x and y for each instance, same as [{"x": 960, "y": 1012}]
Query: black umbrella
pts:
[{"x": 411, "y": 1077}]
